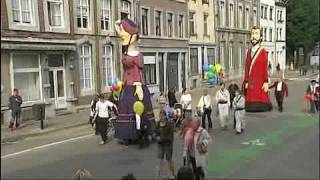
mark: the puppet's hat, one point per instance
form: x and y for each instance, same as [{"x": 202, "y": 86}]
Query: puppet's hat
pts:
[{"x": 129, "y": 26}]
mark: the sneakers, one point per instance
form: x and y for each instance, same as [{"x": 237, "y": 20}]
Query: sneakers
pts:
[{"x": 102, "y": 142}]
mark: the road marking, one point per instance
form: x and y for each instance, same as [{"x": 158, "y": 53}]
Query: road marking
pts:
[
  {"x": 256, "y": 142},
  {"x": 44, "y": 146}
]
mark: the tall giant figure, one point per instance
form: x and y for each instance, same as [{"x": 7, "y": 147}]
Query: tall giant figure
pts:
[
  {"x": 256, "y": 76},
  {"x": 131, "y": 124}
]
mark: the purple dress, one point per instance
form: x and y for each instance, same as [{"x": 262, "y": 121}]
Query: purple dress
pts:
[{"x": 125, "y": 126}]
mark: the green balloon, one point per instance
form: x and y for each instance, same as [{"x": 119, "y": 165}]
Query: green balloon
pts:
[
  {"x": 138, "y": 108},
  {"x": 210, "y": 74}
]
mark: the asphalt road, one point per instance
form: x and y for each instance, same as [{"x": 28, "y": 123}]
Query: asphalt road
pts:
[{"x": 274, "y": 146}]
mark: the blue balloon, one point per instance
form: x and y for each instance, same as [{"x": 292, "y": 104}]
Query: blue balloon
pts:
[
  {"x": 211, "y": 81},
  {"x": 205, "y": 68}
]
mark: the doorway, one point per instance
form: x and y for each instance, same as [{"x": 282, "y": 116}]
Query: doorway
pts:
[
  {"x": 57, "y": 80},
  {"x": 172, "y": 71}
]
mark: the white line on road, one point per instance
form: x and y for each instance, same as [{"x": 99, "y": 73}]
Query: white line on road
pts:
[{"x": 45, "y": 146}]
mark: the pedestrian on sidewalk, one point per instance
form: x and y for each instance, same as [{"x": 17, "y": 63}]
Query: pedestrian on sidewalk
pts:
[
  {"x": 204, "y": 106},
  {"x": 196, "y": 143},
  {"x": 239, "y": 111},
  {"x": 186, "y": 101},
  {"x": 233, "y": 87},
  {"x": 93, "y": 103},
  {"x": 280, "y": 91},
  {"x": 165, "y": 133},
  {"x": 223, "y": 100},
  {"x": 172, "y": 97},
  {"x": 102, "y": 116},
  {"x": 311, "y": 92},
  {"x": 15, "y": 102}
]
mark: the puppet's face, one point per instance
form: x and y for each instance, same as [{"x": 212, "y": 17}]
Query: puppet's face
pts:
[{"x": 255, "y": 36}]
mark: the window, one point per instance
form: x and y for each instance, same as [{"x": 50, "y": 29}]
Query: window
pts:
[
  {"x": 83, "y": 13},
  {"x": 222, "y": 53},
  {"x": 170, "y": 24},
  {"x": 144, "y": 21},
  {"x": 231, "y": 15},
  {"x": 105, "y": 14},
  {"x": 231, "y": 56},
  {"x": 85, "y": 67},
  {"x": 222, "y": 14},
  {"x": 265, "y": 34},
  {"x": 262, "y": 10},
  {"x": 55, "y": 13},
  {"x": 107, "y": 65},
  {"x": 181, "y": 26},
  {"x": 211, "y": 55},
  {"x": 205, "y": 24},
  {"x": 281, "y": 16},
  {"x": 158, "y": 21},
  {"x": 277, "y": 35},
  {"x": 194, "y": 61},
  {"x": 270, "y": 35},
  {"x": 278, "y": 15},
  {"x": 205, "y": 2},
  {"x": 240, "y": 55},
  {"x": 271, "y": 11},
  {"x": 240, "y": 17},
  {"x": 265, "y": 12},
  {"x": 255, "y": 17},
  {"x": 192, "y": 24},
  {"x": 280, "y": 36},
  {"x": 22, "y": 11},
  {"x": 247, "y": 18},
  {"x": 125, "y": 9},
  {"x": 149, "y": 69},
  {"x": 26, "y": 75}
]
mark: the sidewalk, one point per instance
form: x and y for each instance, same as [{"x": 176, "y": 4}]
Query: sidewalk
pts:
[{"x": 32, "y": 128}]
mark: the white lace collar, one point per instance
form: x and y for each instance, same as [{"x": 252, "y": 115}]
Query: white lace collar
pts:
[{"x": 133, "y": 53}]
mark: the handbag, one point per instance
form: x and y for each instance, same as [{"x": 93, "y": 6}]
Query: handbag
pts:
[{"x": 201, "y": 147}]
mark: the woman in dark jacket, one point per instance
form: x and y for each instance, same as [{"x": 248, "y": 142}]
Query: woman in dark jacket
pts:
[{"x": 172, "y": 97}]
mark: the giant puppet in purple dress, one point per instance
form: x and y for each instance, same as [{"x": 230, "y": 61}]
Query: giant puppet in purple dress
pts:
[{"x": 130, "y": 124}]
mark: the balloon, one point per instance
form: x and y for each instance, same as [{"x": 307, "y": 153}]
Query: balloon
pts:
[
  {"x": 211, "y": 66},
  {"x": 138, "y": 107},
  {"x": 211, "y": 81},
  {"x": 210, "y": 75},
  {"x": 116, "y": 94},
  {"x": 116, "y": 88},
  {"x": 218, "y": 68},
  {"x": 120, "y": 84},
  {"x": 205, "y": 67}
]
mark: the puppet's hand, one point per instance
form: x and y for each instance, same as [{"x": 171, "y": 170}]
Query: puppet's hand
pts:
[
  {"x": 246, "y": 85},
  {"x": 265, "y": 87}
]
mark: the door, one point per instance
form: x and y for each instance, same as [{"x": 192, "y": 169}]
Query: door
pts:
[
  {"x": 183, "y": 73},
  {"x": 172, "y": 71},
  {"x": 57, "y": 87}
]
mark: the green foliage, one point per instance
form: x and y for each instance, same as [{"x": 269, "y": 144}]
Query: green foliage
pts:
[{"x": 302, "y": 24}]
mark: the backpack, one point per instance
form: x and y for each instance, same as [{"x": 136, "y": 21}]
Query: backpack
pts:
[
  {"x": 166, "y": 131},
  {"x": 201, "y": 147}
]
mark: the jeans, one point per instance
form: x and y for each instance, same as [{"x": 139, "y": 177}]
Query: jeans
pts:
[{"x": 207, "y": 112}]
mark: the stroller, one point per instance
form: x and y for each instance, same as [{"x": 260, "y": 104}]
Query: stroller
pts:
[{"x": 179, "y": 116}]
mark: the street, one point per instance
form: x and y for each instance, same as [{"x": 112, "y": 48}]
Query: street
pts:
[{"x": 274, "y": 146}]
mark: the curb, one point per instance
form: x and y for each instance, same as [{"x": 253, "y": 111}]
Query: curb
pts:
[{"x": 44, "y": 132}]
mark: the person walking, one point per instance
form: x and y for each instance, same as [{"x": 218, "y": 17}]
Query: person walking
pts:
[
  {"x": 102, "y": 117},
  {"x": 15, "y": 102},
  {"x": 195, "y": 152},
  {"x": 204, "y": 106},
  {"x": 223, "y": 100},
  {"x": 172, "y": 97},
  {"x": 162, "y": 101},
  {"x": 239, "y": 111},
  {"x": 93, "y": 103},
  {"x": 311, "y": 92},
  {"x": 233, "y": 87},
  {"x": 186, "y": 101},
  {"x": 165, "y": 132},
  {"x": 280, "y": 91}
]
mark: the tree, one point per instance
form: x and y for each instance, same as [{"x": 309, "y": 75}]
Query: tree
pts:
[{"x": 302, "y": 25}]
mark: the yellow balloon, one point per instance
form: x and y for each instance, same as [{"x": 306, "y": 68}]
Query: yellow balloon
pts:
[
  {"x": 218, "y": 68},
  {"x": 120, "y": 85},
  {"x": 138, "y": 107}
]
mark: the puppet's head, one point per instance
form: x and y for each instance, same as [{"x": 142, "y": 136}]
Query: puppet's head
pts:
[
  {"x": 128, "y": 32},
  {"x": 256, "y": 36}
]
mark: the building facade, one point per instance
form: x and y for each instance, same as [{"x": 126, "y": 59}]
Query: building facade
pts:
[
  {"x": 202, "y": 44},
  {"x": 164, "y": 43},
  {"x": 280, "y": 37},
  {"x": 267, "y": 25},
  {"x": 234, "y": 20},
  {"x": 59, "y": 52}
]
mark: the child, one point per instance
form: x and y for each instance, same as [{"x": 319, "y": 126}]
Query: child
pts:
[
  {"x": 165, "y": 129},
  {"x": 239, "y": 111}
]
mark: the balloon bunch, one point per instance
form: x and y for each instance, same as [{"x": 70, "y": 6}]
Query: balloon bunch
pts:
[
  {"x": 211, "y": 72},
  {"x": 116, "y": 87}
]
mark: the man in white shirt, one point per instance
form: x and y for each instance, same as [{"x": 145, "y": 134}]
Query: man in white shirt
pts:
[
  {"x": 102, "y": 117},
  {"x": 204, "y": 106},
  {"x": 186, "y": 101},
  {"x": 223, "y": 100}
]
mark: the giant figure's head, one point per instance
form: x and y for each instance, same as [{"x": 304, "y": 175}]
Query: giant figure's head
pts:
[
  {"x": 256, "y": 36},
  {"x": 128, "y": 32}
]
